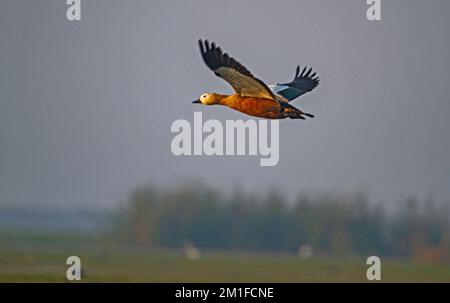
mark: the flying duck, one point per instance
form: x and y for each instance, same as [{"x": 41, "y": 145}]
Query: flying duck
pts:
[{"x": 253, "y": 97}]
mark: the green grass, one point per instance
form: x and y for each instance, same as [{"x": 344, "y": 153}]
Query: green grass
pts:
[{"x": 119, "y": 265}]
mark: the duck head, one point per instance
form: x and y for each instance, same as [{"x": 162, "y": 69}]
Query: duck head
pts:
[{"x": 207, "y": 99}]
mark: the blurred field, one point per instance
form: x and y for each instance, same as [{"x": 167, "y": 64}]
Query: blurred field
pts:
[
  {"x": 121, "y": 265},
  {"x": 240, "y": 238}
]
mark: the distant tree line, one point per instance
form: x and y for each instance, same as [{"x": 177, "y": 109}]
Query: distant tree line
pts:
[{"x": 330, "y": 223}]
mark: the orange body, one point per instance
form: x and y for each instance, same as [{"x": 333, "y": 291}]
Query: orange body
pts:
[{"x": 259, "y": 107}]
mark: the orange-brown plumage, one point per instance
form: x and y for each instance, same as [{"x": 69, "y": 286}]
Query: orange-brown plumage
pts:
[
  {"x": 254, "y": 106},
  {"x": 258, "y": 107}
]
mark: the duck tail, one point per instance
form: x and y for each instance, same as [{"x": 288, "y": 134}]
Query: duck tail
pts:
[{"x": 291, "y": 112}]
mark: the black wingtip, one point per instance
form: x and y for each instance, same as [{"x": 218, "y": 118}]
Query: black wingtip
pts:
[
  {"x": 214, "y": 57},
  {"x": 297, "y": 72},
  {"x": 303, "y": 71},
  {"x": 200, "y": 44},
  {"x": 306, "y": 73}
]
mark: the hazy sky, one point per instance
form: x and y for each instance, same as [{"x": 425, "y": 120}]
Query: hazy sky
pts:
[{"x": 86, "y": 106}]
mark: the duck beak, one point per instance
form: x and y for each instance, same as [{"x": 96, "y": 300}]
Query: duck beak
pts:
[{"x": 196, "y": 101}]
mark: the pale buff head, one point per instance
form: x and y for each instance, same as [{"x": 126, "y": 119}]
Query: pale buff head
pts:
[{"x": 207, "y": 99}]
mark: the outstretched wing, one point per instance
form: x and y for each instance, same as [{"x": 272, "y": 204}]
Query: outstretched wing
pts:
[
  {"x": 224, "y": 66},
  {"x": 303, "y": 82}
]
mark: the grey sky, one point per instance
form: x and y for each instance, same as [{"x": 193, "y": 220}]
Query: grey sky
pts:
[{"x": 86, "y": 107}]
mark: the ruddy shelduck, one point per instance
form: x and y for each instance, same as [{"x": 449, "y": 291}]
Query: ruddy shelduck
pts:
[{"x": 253, "y": 97}]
